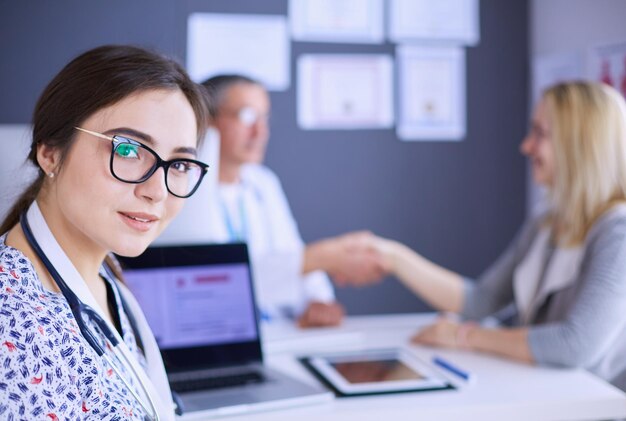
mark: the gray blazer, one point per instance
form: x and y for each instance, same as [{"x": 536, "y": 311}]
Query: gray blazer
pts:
[{"x": 581, "y": 325}]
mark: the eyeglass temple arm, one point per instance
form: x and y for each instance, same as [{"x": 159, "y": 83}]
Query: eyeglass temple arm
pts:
[{"x": 100, "y": 135}]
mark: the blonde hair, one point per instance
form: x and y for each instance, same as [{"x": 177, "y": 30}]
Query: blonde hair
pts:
[{"x": 588, "y": 127}]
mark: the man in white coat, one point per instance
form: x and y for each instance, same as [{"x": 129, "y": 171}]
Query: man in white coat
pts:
[{"x": 291, "y": 278}]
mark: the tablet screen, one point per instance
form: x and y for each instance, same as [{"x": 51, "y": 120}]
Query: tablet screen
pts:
[{"x": 376, "y": 371}]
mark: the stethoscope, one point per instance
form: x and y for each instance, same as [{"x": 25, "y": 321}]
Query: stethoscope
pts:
[{"x": 83, "y": 313}]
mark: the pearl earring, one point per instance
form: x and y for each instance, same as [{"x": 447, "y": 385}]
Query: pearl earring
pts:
[{"x": 51, "y": 175}]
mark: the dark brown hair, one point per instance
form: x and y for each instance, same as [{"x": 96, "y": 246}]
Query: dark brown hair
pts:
[
  {"x": 94, "y": 80},
  {"x": 216, "y": 86}
]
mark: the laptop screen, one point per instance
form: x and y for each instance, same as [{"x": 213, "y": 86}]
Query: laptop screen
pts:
[{"x": 199, "y": 302}]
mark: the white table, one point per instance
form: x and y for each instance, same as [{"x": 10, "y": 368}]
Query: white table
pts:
[{"x": 504, "y": 390}]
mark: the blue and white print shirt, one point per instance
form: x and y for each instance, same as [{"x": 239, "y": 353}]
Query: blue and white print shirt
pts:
[{"x": 48, "y": 371}]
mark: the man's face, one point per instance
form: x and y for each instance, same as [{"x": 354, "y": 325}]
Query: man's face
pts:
[{"x": 242, "y": 121}]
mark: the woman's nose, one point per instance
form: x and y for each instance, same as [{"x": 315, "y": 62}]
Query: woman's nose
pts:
[
  {"x": 526, "y": 147},
  {"x": 154, "y": 188}
]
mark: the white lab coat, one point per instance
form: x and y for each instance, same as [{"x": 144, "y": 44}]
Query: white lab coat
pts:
[
  {"x": 154, "y": 378},
  {"x": 257, "y": 212}
]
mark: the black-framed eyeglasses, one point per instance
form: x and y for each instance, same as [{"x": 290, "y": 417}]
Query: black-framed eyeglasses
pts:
[{"x": 133, "y": 162}]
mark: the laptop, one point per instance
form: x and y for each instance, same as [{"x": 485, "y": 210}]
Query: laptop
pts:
[{"x": 199, "y": 302}]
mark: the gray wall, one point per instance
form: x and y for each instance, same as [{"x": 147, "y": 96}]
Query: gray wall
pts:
[{"x": 457, "y": 203}]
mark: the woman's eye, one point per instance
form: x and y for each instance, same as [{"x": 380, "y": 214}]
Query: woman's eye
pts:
[
  {"x": 126, "y": 150},
  {"x": 181, "y": 166}
]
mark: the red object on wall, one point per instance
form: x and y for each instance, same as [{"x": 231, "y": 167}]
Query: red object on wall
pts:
[{"x": 605, "y": 77}]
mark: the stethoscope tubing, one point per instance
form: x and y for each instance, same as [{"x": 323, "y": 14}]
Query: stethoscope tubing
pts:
[{"x": 78, "y": 307}]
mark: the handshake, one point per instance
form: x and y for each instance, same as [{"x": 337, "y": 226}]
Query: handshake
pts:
[{"x": 357, "y": 258}]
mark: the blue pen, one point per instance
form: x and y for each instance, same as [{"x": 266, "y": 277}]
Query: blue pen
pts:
[
  {"x": 459, "y": 372},
  {"x": 265, "y": 316}
]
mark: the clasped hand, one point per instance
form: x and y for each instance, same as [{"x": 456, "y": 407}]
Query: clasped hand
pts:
[{"x": 356, "y": 260}]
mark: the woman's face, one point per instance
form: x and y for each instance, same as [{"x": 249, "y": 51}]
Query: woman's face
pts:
[
  {"x": 539, "y": 148},
  {"x": 101, "y": 213}
]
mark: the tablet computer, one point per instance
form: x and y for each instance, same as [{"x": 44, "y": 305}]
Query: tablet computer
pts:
[{"x": 375, "y": 372}]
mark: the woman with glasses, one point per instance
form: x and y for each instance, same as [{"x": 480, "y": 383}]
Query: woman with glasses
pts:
[
  {"x": 115, "y": 135},
  {"x": 564, "y": 275}
]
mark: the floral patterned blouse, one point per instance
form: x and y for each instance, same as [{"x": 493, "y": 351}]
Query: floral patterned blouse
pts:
[{"x": 48, "y": 371}]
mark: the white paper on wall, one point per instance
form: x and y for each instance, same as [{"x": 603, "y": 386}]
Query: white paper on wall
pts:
[
  {"x": 345, "y": 91},
  {"x": 253, "y": 45},
  {"x": 440, "y": 20},
  {"x": 431, "y": 93},
  {"x": 357, "y": 21}
]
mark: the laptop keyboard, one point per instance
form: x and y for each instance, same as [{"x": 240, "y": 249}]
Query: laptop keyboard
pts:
[{"x": 220, "y": 382}]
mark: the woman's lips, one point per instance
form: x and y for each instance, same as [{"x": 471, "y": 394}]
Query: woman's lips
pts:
[{"x": 139, "y": 221}]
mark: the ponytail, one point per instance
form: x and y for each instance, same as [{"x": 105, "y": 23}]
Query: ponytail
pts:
[{"x": 22, "y": 204}]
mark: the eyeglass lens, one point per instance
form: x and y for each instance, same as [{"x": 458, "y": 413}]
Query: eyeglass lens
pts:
[{"x": 132, "y": 162}]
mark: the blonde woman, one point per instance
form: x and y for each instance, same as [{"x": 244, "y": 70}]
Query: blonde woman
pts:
[{"x": 565, "y": 272}]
